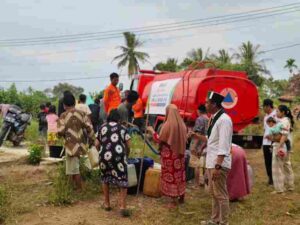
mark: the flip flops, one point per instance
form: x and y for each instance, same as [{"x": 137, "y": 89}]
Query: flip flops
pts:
[
  {"x": 106, "y": 208},
  {"x": 125, "y": 213}
]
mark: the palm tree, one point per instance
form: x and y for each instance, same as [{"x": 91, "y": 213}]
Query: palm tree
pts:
[
  {"x": 249, "y": 56},
  {"x": 223, "y": 57},
  {"x": 195, "y": 55},
  {"x": 290, "y": 65},
  {"x": 130, "y": 55},
  {"x": 170, "y": 65},
  {"x": 198, "y": 54}
]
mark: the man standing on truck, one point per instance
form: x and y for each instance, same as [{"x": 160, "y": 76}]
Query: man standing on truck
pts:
[
  {"x": 218, "y": 157},
  {"x": 112, "y": 97},
  {"x": 269, "y": 112}
]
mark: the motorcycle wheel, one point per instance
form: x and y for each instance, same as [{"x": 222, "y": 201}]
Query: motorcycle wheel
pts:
[
  {"x": 3, "y": 133},
  {"x": 16, "y": 143}
]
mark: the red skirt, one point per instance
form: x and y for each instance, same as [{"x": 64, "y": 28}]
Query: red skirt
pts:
[{"x": 172, "y": 173}]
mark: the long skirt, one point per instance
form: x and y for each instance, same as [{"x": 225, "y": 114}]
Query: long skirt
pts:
[
  {"x": 173, "y": 181},
  {"x": 282, "y": 171}
]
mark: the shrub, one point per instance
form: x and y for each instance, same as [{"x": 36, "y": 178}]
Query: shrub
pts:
[
  {"x": 35, "y": 154},
  {"x": 91, "y": 178},
  {"x": 31, "y": 132},
  {"x": 62, "y": 189},
  {"x": 85, "y": 172},
  {"x": 4, "y": 205}
]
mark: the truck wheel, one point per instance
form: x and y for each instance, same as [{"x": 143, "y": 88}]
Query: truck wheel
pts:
[{"x": 3, "y": 132}]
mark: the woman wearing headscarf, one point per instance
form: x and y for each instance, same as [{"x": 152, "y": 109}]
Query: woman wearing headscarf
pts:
[
  {"x": 238, "y": 181},
  {"x": 172, "y": 140}
]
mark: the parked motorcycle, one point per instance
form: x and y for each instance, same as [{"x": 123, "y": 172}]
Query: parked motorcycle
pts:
[{"x": 14, "y": 125}]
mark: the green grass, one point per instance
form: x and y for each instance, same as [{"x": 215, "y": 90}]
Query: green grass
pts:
[
  {"x": 138, "y": 149},
  {"x": 62, "y": 193},
  {"x": 4, "y": 204},
  {"x": 32, "y": 132}
]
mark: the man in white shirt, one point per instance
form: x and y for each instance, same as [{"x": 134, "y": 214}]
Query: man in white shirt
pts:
[
  {"x": 270, "y": 112},
  {"x": 82, "y": 105},
  {"x": 218, "y": 157}
]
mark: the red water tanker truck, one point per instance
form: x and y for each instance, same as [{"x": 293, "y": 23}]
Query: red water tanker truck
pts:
[{"x": 241, "y": 95}]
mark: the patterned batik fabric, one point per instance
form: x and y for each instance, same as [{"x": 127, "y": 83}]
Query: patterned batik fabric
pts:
[
  {"x": 76, "y": 129},
  {"x": 112, "y": 156},
  {"x": 173, "y": 181}
]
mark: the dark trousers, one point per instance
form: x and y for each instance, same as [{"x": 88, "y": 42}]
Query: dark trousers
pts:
[
  {"x": 139, "y": 122},
  {"x": 268, "y": 161}
]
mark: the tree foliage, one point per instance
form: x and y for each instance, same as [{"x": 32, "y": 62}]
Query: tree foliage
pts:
[
  {"x": 291, "y": 65},
  {"x": 222, "y": 57},
  {"x": 29, "y": 100},
  {"x": 59, "y": 89},
  {"x": 171, "y": 65},
  {"x": 275, "y": 88},
  {"x": 130, "y": 56},
  {"x": 195, "y": 55},
  {"x": 294, "y": 85},
  {"x": 249, "y": 56}
]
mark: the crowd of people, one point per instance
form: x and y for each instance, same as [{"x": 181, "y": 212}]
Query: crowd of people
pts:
[
  {"x": 103, "y": 124},
  {"x": 207, "y": 147}
]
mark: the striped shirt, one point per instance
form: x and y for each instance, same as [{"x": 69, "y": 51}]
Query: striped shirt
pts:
[{"x": 76, "y": 129}]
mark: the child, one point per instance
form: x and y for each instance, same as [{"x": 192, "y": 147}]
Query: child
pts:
[
  {"x": 275, "y": 132},
  {"x": 196, "y": 162},
  {"x": 52, "y": 118},
  {"x": 42, "y": 121}
]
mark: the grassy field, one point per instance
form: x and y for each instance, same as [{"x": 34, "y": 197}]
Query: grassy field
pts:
[{"x": 28, "y": 190}]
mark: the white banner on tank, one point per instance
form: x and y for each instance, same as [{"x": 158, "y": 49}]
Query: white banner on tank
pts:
[{"x": 161, "y": 95}]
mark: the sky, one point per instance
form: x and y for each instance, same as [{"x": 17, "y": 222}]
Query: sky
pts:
[{"x": 42, "y": 18}]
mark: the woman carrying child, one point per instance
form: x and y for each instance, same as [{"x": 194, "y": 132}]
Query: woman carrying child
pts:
[{"x": 280, "y": 134}]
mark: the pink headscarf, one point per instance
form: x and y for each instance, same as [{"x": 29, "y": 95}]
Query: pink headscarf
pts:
[{"x": 174, "y": 131}]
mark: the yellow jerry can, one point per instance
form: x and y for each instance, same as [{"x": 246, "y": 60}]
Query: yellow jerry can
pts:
[{"x": 152, "y": 183}]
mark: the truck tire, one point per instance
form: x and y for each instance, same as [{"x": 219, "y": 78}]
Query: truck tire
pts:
[{"x": 3, "y": 133}]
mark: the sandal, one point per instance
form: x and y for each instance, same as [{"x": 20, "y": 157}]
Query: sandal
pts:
[
  {"x": 125, "y": 213},
  {"x": 106, "y": 208},
  {"x": 181, "y": 201}
]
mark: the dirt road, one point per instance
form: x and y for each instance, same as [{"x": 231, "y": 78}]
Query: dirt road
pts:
[{"x": 9, "y": 154}]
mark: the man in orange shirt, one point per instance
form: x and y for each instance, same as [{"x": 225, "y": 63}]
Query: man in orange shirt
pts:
[
  {"x": 138, "y": 110},
  {"x": 112, "y": 97}
]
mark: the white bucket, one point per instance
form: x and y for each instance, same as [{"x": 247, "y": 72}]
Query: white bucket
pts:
[{"x": 132, "y": 179}]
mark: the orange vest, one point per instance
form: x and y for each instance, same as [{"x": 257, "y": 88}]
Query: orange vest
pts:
[
  {"x": 138, "y": 109},
  {"x": 112, "y": 98}
]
